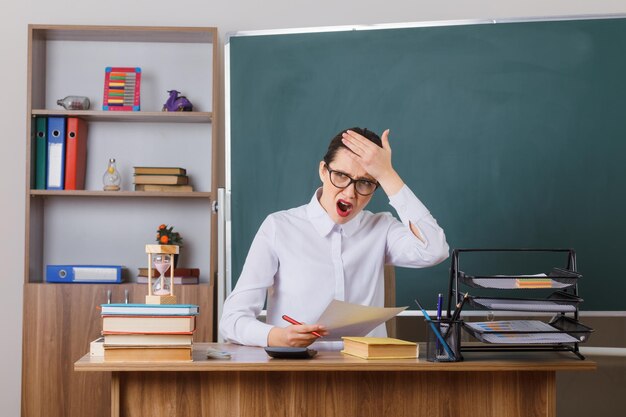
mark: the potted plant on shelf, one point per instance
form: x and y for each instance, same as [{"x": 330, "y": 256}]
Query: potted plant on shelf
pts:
[{"x": 167, "y": 236}]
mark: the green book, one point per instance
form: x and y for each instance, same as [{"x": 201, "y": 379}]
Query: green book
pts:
[{"x": 41, "y": 150}]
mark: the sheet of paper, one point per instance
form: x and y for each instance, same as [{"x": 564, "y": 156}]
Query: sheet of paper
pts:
[
  {"x": 530, "y": 338},
  {"x": 512, "y": 326},
  {"x": 346, "y": 319},
  {"x": 524, "y": 305}
]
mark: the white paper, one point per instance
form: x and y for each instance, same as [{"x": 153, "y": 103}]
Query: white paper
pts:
[
  {"x": 511, "y": 326},
  {"x": 524, "y": 305},
  {"x": 346, "y": 319},
  {"x": 530, "y": 338}
]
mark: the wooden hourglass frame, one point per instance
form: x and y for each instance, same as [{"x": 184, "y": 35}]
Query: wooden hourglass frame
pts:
[{"x": 153, "y": 250}]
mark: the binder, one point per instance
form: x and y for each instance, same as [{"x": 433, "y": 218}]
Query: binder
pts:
[
  {"x": 95, "y": 274},
  {"x": 56, "y": 153},
  {"x": 41, "y": 152},
  {"x": 75, "y": 153}
]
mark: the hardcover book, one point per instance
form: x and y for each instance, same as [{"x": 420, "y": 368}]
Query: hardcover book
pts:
[
  {"x": 148, "y": 324},
  {"x": 150, "y": 309},
  {"x": 164, "y": 188},
  {"x": 148, "y": 354},
  {"x": 161, "y": 179},
  {"x": 138, "y": 339},
  {"x": 379, "y": 348},
  {"x": 160, "y": 170},
  {"x": 177, "y": 280},
  {"x": 178, "y": 272}
]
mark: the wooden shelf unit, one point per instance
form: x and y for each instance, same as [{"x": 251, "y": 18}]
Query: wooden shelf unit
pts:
[{"x": 60, "y": 320}]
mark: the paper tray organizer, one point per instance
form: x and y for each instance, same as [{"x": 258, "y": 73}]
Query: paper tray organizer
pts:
[
  {"x": 561, "y": 325},
  {"x": 569, "y": 332},
  {"x": 558, "y": 301},
  {"x": 558, "y": 278}
]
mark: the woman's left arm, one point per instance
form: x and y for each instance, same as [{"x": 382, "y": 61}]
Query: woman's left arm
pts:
[{"x": 418, "y": 241}]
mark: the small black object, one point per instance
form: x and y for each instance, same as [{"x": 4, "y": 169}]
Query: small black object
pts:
[{"x": 281, "y": 352}]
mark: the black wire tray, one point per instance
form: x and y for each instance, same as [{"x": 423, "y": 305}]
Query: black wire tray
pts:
[
  {"x": 558, "y": 278},
  {"x": 557, "y": 302},
  {"x": 562, "y": 330}
]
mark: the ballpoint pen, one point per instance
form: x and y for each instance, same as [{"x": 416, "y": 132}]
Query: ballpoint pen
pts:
[
  {"x": 439, "y": 304},
  {"x": 292, "y": 321}
]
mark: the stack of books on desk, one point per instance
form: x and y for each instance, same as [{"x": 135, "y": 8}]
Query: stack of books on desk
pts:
[
  {"x": 148, "y": 332},
  {"x": 181, "y": 275},
  {"x": 161, "y": 179}
]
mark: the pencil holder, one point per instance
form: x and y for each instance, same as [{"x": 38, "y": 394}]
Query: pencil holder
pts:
[{"x": 447, "y": 347}]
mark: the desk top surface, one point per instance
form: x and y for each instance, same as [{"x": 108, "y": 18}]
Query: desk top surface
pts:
[{"x": 245, "y": 358}]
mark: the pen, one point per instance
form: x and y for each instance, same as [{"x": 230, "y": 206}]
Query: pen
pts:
[
  {"x": 439, "y": 303},
  {"x": 292, "y": 321},
  {"x": 435, "y": 331},
  {"x": 459, "y": 306}
]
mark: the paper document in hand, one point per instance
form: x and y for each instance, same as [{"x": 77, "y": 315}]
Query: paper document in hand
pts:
[{"x": 347, "y": 319}]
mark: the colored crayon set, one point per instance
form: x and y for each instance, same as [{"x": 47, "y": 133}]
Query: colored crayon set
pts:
[{"x": 121, "y": 89}]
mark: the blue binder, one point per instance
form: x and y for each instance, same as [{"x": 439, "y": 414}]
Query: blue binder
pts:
[
  {"x": 95, "y": 274},
  {"x": 56, "y": 153}
]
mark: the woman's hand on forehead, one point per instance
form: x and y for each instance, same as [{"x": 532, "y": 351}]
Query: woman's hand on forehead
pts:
[{"x": 374, "y": 159}]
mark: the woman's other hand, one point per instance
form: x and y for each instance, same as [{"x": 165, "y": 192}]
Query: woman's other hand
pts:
[{"x": 295, "y": 336}]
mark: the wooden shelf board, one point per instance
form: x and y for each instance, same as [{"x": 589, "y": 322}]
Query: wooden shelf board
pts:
[
  {"x": 130, "y": 116},
  {"x": 124, "y": 33},
  {"x": 117, "y": 194}
]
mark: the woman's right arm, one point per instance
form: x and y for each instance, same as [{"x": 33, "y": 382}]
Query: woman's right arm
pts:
[{"x": 239, "y": 322}]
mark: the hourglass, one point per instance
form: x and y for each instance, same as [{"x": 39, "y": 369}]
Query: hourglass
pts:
[{"x": 161, "y": 258}]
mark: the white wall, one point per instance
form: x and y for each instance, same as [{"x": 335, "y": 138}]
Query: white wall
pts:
[{"x": 228, "y": 16}]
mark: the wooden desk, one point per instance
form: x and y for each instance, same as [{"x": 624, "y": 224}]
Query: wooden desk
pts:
[{"x": 252, "y": 384}]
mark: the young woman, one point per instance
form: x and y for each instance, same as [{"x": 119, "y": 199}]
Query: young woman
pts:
[{"x": 331, "y": 248}]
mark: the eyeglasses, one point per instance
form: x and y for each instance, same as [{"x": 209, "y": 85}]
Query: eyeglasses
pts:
[{"x": 342, "y": 180}]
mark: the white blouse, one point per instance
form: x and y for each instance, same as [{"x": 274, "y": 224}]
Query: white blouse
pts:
[{"x": 303, "y": 260}]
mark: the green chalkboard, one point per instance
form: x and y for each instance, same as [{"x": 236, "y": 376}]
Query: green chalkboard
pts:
[{"x": 512, "y": 134}]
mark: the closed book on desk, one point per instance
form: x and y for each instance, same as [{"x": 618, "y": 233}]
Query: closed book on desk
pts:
[
  {"x": 149, "y": 309},
  {"x": 147, "y": 354},
  {"x": 55, "y": 179},
  {"x": 379, "y": 348},
  {"x": 148, "y": 324},
  {"x": 139, "y": 339},
  {"x": 75, "y": 153}
]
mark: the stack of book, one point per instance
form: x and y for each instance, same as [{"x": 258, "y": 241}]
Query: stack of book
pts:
[
  {"x": 148, "y": 332},
  {"x": 181, "y": 275},
  {"x": 161, "y": 179}
]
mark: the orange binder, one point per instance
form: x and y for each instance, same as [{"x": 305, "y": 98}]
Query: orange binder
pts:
[{"x": 75, "y": 154}]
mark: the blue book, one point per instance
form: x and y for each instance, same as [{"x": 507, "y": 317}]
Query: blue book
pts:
[
  {"x": 150, "y": 309},
  {"x": 56, "y": 153}
]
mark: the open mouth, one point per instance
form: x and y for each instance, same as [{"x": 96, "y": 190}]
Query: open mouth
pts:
[{"x": 343, "y": 208}]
